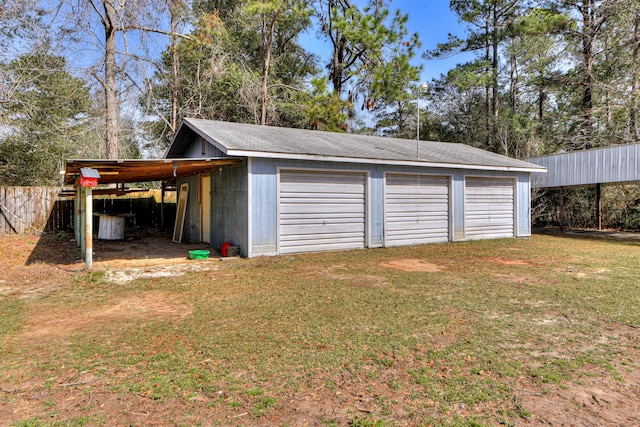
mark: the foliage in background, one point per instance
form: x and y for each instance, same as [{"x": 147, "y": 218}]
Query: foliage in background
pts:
[
  {"x": 620, "y": 207},
  {"x": 548, "y": 75},
  {"x": 50, "y": 118}
]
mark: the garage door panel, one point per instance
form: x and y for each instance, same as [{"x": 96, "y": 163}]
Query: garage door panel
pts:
[
  {"x": 317, "y": 229},
  {"x": 298, "y": 239},
  {"x": 321, "y": 211},
  {"x": 314, "y": 177},
  {"x": 416, "y": 209},
  {"x": 320, "y": 189},
  {"x": 328, "y": 220},
  {"x": 320, "y": 208},
  {"x": 328, "y": 197},
  {"x": 489, "y": 211},
  {"x": 408, "y": 228}
]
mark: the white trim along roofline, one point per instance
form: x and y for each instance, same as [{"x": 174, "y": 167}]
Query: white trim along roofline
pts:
[{"x": 260, "y": 154}]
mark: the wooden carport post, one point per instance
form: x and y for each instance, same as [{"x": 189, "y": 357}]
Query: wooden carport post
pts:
[
  {"x": 82, "y": 219},
  {"x": 163, "y": 188},
  {"x": 84, "y": 194}
]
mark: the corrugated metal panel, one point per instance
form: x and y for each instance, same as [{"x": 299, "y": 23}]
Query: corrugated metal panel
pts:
[
  {"x": 416, "y": 209},
  {"x": 597, "y": 166},
  {"x": 489, "y": 208},
  {"x": 321, "y": 211}
]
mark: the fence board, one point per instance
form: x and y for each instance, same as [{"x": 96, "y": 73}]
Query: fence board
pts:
[{"x": 28, "y": 210}]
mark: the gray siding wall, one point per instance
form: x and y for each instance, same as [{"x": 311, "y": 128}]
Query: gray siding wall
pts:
[
  {"x": 264, "y": 198},
  {"x": 200, "y": 148},
  {"x": 587, "y": 167},
  {"x": 191, "y": 230},
  {"x": 229, "y": 208}
]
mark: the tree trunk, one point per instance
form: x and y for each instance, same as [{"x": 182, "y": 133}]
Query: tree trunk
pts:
[
  {"x": 487, "y": 87},
  {"x": 542, "y": 96},
  {"x": 588, "y": 42},
  {"x": 635, "y": 82},
  {"x": 267, "y": 45},
  {"x": 175, "y": 81},
  {"x": 337, "y": 61},
  {"x": 513, "y": 82},
  {"x": 494, "y": 61},
  {"x": 110, "y": 86}
]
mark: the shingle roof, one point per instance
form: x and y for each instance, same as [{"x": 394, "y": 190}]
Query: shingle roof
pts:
[{"x": 237, "y": 139}]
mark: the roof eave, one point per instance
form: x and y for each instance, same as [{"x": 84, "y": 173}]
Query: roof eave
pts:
[
  {"x": 185, "y": 125},
  {"x": 417, "y": 162}
]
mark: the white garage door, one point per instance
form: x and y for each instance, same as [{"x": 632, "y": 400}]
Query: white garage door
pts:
[
  {"x": 488, "y": 208},
  {"x": 321, "y": 211},
  {"x": 416, "y": 209}
]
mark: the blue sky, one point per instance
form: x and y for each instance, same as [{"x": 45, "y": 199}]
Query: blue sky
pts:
[{"x": 431, "y": 19}]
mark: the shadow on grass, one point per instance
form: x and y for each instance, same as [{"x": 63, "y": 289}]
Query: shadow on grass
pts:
[{"x": 611, "y": 236}]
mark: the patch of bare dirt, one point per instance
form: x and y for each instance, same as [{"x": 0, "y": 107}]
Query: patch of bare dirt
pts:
[
  {"x": 141, "y": 305},
  {"x": 501, "y": 261},
  {"x": 412, "y": 264},
  {"x": 124, "y": 276},
  {"x": 359, "y": 280},
  {"x": 336, "y": 272},
  {"x": 598, "y": 400},
  {"x": 520, "y": 279}
]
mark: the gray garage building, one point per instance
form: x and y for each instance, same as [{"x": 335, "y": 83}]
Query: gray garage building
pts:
[{"x": 303, "y": 191}]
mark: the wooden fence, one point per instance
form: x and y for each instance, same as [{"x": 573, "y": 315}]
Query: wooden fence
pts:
[
  {"x": 26, "y": 210},
  {"x": 33, "y": 210}
]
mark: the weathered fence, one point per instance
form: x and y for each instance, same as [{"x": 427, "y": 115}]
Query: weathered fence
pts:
[
  {"x": 32, "y": 210},
  {"x": 28, "y": 210}
]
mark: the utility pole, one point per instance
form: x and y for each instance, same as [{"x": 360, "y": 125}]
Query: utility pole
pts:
[{"x": 421, "y": 87}]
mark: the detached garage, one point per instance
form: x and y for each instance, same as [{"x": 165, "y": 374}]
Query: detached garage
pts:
[{"x": 296, "y": 190}]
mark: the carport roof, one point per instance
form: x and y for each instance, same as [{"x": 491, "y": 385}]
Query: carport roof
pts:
[
  {"x": 246, "y": 140},
  {"x": 139, "y": 170}
]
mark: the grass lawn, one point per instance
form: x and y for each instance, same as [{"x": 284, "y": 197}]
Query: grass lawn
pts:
[{"x": 505, "y": 332}]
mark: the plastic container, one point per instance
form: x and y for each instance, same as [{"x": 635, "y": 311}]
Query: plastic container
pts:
[
  {"x": 199, "y": 254},
  {"x": 224, "y": 250}
]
